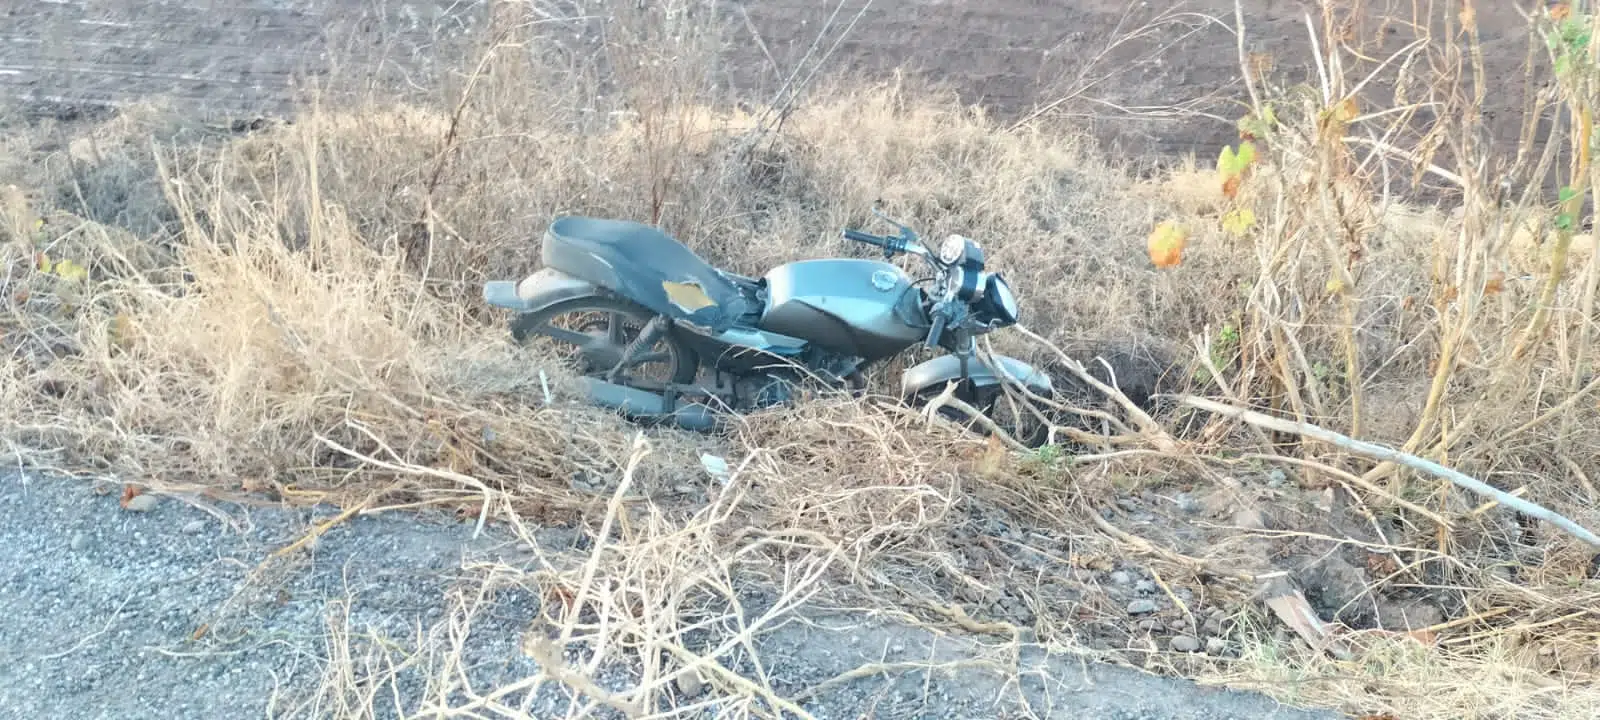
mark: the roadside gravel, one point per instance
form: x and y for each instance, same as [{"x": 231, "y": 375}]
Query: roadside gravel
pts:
[{"x": 99, "y": 605}]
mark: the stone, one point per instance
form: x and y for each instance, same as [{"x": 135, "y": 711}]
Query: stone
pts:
[
  {"x": 1185, "y": 643},
  {"x": 1333, "y": 585},
  {"x": 1215, "y": 646},
  {"x": 194, "y": 526},
  {"x": 142, "y": 503},
  {"x": 1141, "y": 607},
  {"x": 1407, "y": 615},
  {"x": 1250, "y": 519},
  {"x": 1121, "y": 577},
  {"x": 690, "y": 684},
  {"x": 1145, "y": 586}
]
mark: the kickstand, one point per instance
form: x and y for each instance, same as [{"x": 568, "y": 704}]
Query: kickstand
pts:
[{"x": 652, "y": 332}]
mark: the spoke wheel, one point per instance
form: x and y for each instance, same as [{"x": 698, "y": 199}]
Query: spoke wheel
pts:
[{"x": 592, "y": 335}]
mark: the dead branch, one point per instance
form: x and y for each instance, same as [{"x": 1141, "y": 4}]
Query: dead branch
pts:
[
  {"x": 1152, "y": 429},
  {"x": 1378, "y": 452}
]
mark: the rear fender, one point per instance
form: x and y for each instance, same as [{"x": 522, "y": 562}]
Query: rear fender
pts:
[
  {"x": 945, "y": 368},
  {"x": 538, "y": 291}
]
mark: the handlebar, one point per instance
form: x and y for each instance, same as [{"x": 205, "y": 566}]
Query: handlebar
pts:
[
  {"x": 891, "y": 244},
  {"x": 905, "y": 242},
  {"x": 868, "y": 238}
]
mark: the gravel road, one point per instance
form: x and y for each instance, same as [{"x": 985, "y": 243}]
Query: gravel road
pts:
[{"x": 98, "y": 605}]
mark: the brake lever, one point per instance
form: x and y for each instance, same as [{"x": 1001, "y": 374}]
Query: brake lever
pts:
[{"x": 907, "y": 236}]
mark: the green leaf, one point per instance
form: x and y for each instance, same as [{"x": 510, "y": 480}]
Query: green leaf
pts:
[
  {"x": 1247, "y": 154},
  {"x": 1567, "y": 194},
  {"x": 1576, "y": 32},
  {"x": 1231, "y": 164},
  {"x": 1564, "y": 222},
  {"x": 1563, "y": 65}
]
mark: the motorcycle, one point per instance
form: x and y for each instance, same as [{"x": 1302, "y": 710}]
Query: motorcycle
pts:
[{"x": 722, "y": 342}]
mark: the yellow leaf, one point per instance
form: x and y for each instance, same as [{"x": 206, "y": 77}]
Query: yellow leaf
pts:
[
  {"x": 71, "y": 271},
  {"x": 1347, "y": 110},
  {"x": 1166, "y": 243},
  {"x": 1335, "y": 285},
  {"x": 1236, "y": 222}
]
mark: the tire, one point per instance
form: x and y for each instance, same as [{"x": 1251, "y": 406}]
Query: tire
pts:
[
  {"x": 683, "y": 366},
  {"x": 1027, "y": 430}
]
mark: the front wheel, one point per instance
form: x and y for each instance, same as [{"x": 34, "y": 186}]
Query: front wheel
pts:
[
  {"x": 592, "y": 334},
  {"x": 1009, "y": 414}
]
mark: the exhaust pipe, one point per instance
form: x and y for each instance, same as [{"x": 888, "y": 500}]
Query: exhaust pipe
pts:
[{"x": 643, "y": 404}]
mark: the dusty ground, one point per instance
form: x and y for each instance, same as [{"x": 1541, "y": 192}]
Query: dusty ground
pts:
[
  {"x": 100, "y": 607},
  {"x": 1128, "y": 68}
]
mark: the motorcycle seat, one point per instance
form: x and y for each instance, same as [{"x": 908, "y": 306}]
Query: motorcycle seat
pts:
[{"x": 645, "y": 265}]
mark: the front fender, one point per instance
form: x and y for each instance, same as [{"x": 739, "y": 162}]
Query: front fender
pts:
[
  {"x": 538, "y": 291},
  {"x": 945, "y": 368}
]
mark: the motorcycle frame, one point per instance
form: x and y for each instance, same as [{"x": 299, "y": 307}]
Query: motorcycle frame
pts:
[{"x": 547, "y": 287}]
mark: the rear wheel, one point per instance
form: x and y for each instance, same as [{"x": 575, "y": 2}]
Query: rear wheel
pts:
[{"x": 592, "y": 334}]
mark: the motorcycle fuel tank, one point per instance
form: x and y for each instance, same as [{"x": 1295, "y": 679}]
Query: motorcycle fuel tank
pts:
[{"x": 864, "y": 308}]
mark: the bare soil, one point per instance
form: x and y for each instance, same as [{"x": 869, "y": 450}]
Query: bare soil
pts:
[{"x": 1161, "y": 89}]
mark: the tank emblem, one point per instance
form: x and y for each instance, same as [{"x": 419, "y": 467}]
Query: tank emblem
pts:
[{"x": 884, "y": 280}]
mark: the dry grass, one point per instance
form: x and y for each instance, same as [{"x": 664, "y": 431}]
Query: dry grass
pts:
[{"x": 295, "y": 311}]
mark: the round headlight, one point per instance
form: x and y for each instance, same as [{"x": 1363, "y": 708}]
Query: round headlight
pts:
[
  {"x": 1002, "y": 299},
  {"x": 953, "y": 249}
]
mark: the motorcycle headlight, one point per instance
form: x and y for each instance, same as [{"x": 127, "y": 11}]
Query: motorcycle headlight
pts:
[
  {"x": 962, "y": 252},
  {"x": 953, "y": 249},
  {"x": 1001, "y": 301}
]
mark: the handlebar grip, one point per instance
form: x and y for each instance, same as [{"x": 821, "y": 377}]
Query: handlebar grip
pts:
[
  {"x": 867, "y": 238},
  {"x": 937, "y": 331}
]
